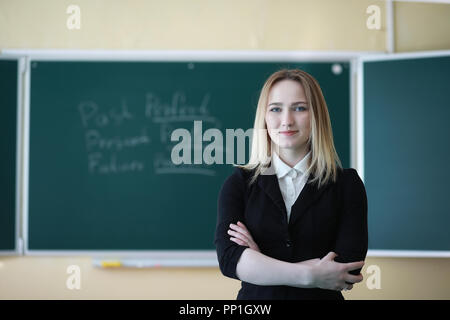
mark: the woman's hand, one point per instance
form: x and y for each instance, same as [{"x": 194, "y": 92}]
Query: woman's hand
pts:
[
  {"x": 331, "y": 275},
  {"x": 313, "y": 262},
  {"x": 240, "y": 235}
]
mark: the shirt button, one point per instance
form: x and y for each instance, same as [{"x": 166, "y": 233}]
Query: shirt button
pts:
[{"x": 288, "y": 243}]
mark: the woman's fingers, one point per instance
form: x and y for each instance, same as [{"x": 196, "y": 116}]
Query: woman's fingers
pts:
[
  {"x": 353, "y": 279},
  {"x": 238, "y": 235},
  {"x": 240, "y": 227},
  {"x": 239, "y": 241},
  {"x": 240, "y": 232},
  {"x": 240, "y": 224},
  {"x": 354, "y": 265},
  {"x": 349, "y": 287},
  {"x": 330, "y": 256}
]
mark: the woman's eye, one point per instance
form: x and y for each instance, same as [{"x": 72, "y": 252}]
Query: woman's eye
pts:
[
  {"x": 276, "y": 109},
  {"x": 299, "y": 108}
]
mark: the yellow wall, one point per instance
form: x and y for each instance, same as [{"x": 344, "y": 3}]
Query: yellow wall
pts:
[
  {"x": 192, "y": 24},
  {"x": 421, "y": 26},
  {"x": 329, "y": 25},
  {"x": 45, "y": 278}
]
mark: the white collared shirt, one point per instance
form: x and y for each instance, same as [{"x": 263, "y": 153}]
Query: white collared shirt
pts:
[{"x": 291, "y": 180}]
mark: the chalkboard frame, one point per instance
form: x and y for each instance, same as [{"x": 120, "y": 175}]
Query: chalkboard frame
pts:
[
  {"x": 153, "y": 257},
  {"x": 360, "y": 144},
  {"x": 18, "y": 243}
]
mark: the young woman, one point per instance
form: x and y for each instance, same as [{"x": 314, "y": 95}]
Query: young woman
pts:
[{"x": 292, "y": 224}]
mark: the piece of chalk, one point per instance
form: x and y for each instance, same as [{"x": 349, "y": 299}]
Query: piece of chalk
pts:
[{"x": 111, "y": 264}]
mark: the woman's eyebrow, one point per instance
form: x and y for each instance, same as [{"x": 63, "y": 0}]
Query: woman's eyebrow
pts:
[{"x": 280, "y": 104}]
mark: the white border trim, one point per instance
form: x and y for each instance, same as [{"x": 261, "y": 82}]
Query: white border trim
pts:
[
  {"x": 9, "y": 253},
  {"x": 206, "y": 256},
  {"x": 405, "y": 55},
  {"x": 26, "y": 153},
  {"x": 360, "y": 120},
  {"x": 425, "y": 1},
  {"x": 19, "y": 155},
  {"x": 188, "y": 55},
  {"x": 141, "y": 259},
  {"x": 408, "y": 254},
  {"x": 390, "y": 36},
  {"x": 353, "y": 112}
]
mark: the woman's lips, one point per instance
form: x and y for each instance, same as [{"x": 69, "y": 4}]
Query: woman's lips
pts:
[{"x": 288, "y": 133}]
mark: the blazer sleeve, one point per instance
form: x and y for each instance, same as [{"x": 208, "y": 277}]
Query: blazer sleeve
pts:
[
  {"x": 352, "y": 235},
  {"x": 230, "y": 209}
]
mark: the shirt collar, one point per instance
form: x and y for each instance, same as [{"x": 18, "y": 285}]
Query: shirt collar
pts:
[{"x": 282, "y": 169}]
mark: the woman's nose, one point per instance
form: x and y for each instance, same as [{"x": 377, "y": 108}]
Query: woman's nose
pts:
[{"x": 287, "y": 119}]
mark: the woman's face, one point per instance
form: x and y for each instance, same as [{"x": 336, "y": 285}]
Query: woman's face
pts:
[{"x": 288, "y": 115}]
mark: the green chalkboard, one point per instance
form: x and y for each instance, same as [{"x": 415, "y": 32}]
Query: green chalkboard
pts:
[
  {"x": 406, "y": 132},
  {"x": 8, "y": 146},
  {"x": 101, "y": 175}
]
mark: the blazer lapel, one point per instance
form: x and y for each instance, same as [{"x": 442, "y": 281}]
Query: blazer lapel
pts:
[
  {"x": 268, "y": 182},
  {"x": 307, "y": 196}
]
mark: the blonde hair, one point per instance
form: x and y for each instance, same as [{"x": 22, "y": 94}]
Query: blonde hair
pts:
[{"x": 324, "y": 161}]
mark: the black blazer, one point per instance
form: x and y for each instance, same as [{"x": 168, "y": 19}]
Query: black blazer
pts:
[{"x": 332, "y": 218}]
